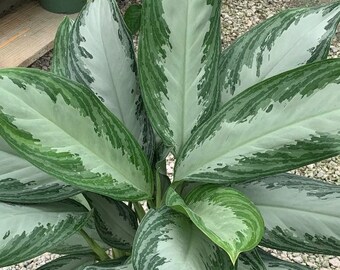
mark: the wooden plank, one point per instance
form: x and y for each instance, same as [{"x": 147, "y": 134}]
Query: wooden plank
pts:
[{"x": 27, "y": 34}]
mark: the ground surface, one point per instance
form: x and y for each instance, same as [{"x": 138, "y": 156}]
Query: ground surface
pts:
[{"x": 237, "y": 17}]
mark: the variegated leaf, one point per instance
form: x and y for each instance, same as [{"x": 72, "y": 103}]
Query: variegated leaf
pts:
[
  {"x": 273, "y": 263},
  {"x": 227, "y": 217},
  {"x": 116, "y": 264},
  {"x": 28, "y": 231},
  {"x": 21, "y": 182},
  {"x": 62, "y": 128},
  {"x": 102, "y": 57},
  {"x": 119, "y": 267},
  {"x": 178, "y": 65},
  {"x": 300, "y": 214},
  {"x": 285, "y": 41},
  {"x": 76, "y": 244},
  {"x": 285, "y": 122},
  {"x": 60, "y": 57},
  {"x": 250, "y": 260},
  {"x": 116, "y": 223},
  {"x": 70, "y": 262},
  {"x": 168, "y": 240}
]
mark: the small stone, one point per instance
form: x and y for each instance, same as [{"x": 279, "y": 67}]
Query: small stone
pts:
[{"x": 335, "y": 262}]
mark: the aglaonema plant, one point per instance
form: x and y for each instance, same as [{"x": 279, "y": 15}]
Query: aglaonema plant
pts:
[{"x": 82, "y": 149}]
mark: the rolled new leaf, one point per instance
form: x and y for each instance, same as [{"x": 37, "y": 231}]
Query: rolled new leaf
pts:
[
  {"x": 168, "y": 240},
  {"x": 28, "y": 231},
  {"x": 21, "y": 182},
  {"x": 300, "y": 214},
  {"x": 63, "y": 129},
  {"x": 227, "y": 217},
  {"x": 285, "y": 122},
  {"x": 178, "y": 60},
  {"x": 285, "y": 41},
  {"x": 115, "y": 222},
  {"x": 70, "y": 262},
  {"x": 101, "y": 56}
]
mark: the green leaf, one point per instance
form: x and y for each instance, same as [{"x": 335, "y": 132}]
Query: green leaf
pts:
[
  {"x": 273, "y": 263},
  {"x": 116, "y": 264},
  {"x": 61, "y": 49},
  {"x": 70, "y": 262},
  {"x": 21, "y": 182},
  {"x": 168, "y": 240},
  {"x": 227, "y": 217},
  {"x": 102, "y": 57},
  {"x": 116, "y": 223},
  {"x": 300, "y": 214},
  {"x": 280, "y": 124},
  {"x": 251, "y": 261},
  {"x": 28, "y": 231},
  {"x": 120, "y": 267},
  {"x": 178, "y": 65},
  {"x": 63, "y": 129},
  {"x": 283, "y": 42},
  {"x": 133, "y": 17},
  {"x": 76, "y": 244}
]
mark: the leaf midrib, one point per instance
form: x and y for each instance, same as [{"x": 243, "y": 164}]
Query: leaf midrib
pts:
[
  {"x": 79, "y": 142},
  {"x": 255, "y": 139}
]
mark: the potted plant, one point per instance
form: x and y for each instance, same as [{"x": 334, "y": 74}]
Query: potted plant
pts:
[{"x": 63, "y": 6}]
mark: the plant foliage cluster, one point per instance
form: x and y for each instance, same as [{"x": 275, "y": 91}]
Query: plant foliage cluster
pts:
[{"x": 83, "y": 147}]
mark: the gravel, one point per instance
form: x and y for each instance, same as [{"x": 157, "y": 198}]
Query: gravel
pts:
[{"x": 238, "y": 17}]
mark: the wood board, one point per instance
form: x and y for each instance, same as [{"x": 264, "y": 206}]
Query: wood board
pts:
[{"x": 26, "y": 34}]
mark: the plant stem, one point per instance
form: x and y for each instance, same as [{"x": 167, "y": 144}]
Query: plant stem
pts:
[
  {"x": 139, "y": 210},
  {"x": 95, "y": 247},
  {"x": 158, "y": 191}
]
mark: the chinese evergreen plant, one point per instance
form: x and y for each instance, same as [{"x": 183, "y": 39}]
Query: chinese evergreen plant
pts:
[{"x": 83, "y": 147}]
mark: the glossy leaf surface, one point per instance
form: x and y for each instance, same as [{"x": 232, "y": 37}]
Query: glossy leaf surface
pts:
[
  {"x": 300, "y": 214},
  {"x": 60, "y": 59},
  {"x": 133, "y": 17},
  {"x": 285, "y": 41},
  {"x": 91, "y": 150},
  {"x": 102, "y": 57},
  {"x": 28, "y": 231},
  {"x": 178, "y": 61},
  {"x": 168, "y": 240},
  {"x": 21, "y": 182},
  {"x": 280, "y": 124},
  {"x": 227, "y": 217}
]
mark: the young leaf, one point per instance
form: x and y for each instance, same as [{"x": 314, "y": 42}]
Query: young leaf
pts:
[
  {"x": 116, "y": 223},
  {"x": 300, "y": 214},
  {"x": 168, "y": 240},
  {"x": 76, "y": 244},
  {"x": 61, "y": 49},
  {"x": 288, "y": 40},
  {"x": 132, "y": 18},
  {"x": 178, "y": 65},
  {"x": 28, "y": 231},
  {"x": 227, "y": 217},
  {"x": 63, "y": 129},
  {"x": 70, "y": 262},
  {"x": 21, "y": 182},
  {"x": 119, "y": 267},
  {"x": 102, "y": 57},
  {"x": 285, "y": 122}
]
